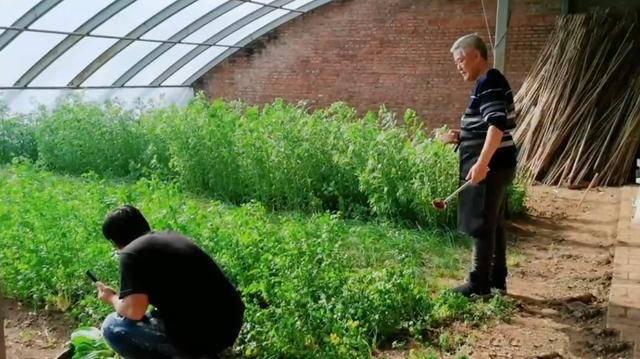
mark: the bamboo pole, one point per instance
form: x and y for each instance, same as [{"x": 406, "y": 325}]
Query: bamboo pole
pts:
[{"x": 579, "y": 109}]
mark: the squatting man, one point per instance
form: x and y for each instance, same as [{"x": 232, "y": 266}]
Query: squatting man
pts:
[{"x": 197, "y": 312}]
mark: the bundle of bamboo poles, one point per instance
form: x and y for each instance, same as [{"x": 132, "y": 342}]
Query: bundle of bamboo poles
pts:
[{"x": 579, "y": 109}]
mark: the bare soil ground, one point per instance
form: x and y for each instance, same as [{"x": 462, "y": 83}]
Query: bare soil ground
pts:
[
  {"x": 560, "y": 260},
  {"x": 34, "y": 335},
  {"x": 561, "y": 267},
  {"x": 562, "y": 283}
]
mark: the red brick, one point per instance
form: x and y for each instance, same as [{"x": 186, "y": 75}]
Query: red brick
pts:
[{"x": 370, "y": 52}]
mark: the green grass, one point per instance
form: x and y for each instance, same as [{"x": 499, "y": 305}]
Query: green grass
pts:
[
  {"x": 317, "y": 286},
  {"x": 281, "y": 155},
  {"x": 17, "y": 138},
  {"x": 323, "y": 218}
]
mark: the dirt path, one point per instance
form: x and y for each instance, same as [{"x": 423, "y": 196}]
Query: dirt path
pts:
[
  {"x": 34, "y": 336},
  {"x": 560, "y": 265},
  {"x": 560, "y": 279}
]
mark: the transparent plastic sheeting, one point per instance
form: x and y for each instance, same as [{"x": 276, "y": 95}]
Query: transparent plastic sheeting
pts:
[
  {"x": 26, "y": 101},
  {"x": 151, "y": 48}
]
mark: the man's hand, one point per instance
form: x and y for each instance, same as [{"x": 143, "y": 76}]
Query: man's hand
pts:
[
  {"x": 477, "y": 173},
  {"x": 106, "y": 294},
  {"x": 451, "y": 137},
  {"x": 480, "y": 169},
  {"x": 133, "y": 307}
]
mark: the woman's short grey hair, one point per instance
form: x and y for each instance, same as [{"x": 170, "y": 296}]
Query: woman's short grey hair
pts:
[{"x": 468, "y": 42}]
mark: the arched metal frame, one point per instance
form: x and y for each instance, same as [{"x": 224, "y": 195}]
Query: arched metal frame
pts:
[
  {"x": 27, "y": 19},
  {"x": 247, "y": 40},
  {"x": 179, "y": 36},
  {"x": 281, "y": 11},
  {"x": 139, "y": 31},
  {"x": 71, "y": 40},
  {"x": 215, "y": 39}
]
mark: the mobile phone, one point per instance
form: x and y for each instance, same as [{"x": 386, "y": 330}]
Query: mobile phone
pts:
[{"x": 92, "y": 276}]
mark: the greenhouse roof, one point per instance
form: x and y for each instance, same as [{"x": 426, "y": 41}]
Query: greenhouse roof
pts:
[
  {"x": 116, "y": 44},
  {"x": 130, "y": 50}
]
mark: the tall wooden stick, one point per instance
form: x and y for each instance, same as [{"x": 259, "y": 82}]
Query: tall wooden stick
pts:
[{"x": 592, "y": 184}]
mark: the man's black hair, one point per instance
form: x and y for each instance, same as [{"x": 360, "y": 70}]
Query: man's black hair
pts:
[{"x": 124, "y": 225}]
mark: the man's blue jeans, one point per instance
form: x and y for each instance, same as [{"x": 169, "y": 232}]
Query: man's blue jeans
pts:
[{"x": 144, "y": 339}]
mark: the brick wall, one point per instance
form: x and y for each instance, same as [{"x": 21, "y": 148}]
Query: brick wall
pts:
[
  {"x": 373, "y": 52},
  {"x": 623, "y": 311}
]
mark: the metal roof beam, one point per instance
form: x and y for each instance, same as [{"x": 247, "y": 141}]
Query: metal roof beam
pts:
[
  {"x": 258, "y": 13},
  {"x": 135, "y": 33},
  {"x": 96, "y": 36},
  {"x": 267, "y": 28},
  {"x": 72, "y": 38},
  {"x": 91, "y": 24},
  {"x": 27, "y": 19},
  {"x": 6, "y": 88},
  {"x": 181, "y": 35},
  {"x": 271, "y": 5},
  {"x": 503, "y": 14}
]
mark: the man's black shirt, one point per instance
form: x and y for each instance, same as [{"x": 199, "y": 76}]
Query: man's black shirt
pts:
[{"x": 201, "y": 309}]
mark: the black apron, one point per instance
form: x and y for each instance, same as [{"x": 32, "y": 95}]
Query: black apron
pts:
[{"x": 471, "y": 200}]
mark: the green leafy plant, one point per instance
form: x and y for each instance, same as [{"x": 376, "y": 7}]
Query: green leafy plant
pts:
[
  {"x": 87, "y": 343},
  {"x": 316, "y": 286},
  {"x": 325, "y": 221},
  {"x": 280, "y": 154},
  {"x": 17, "y": 138},
  {"x": 78, "y": 137}
]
